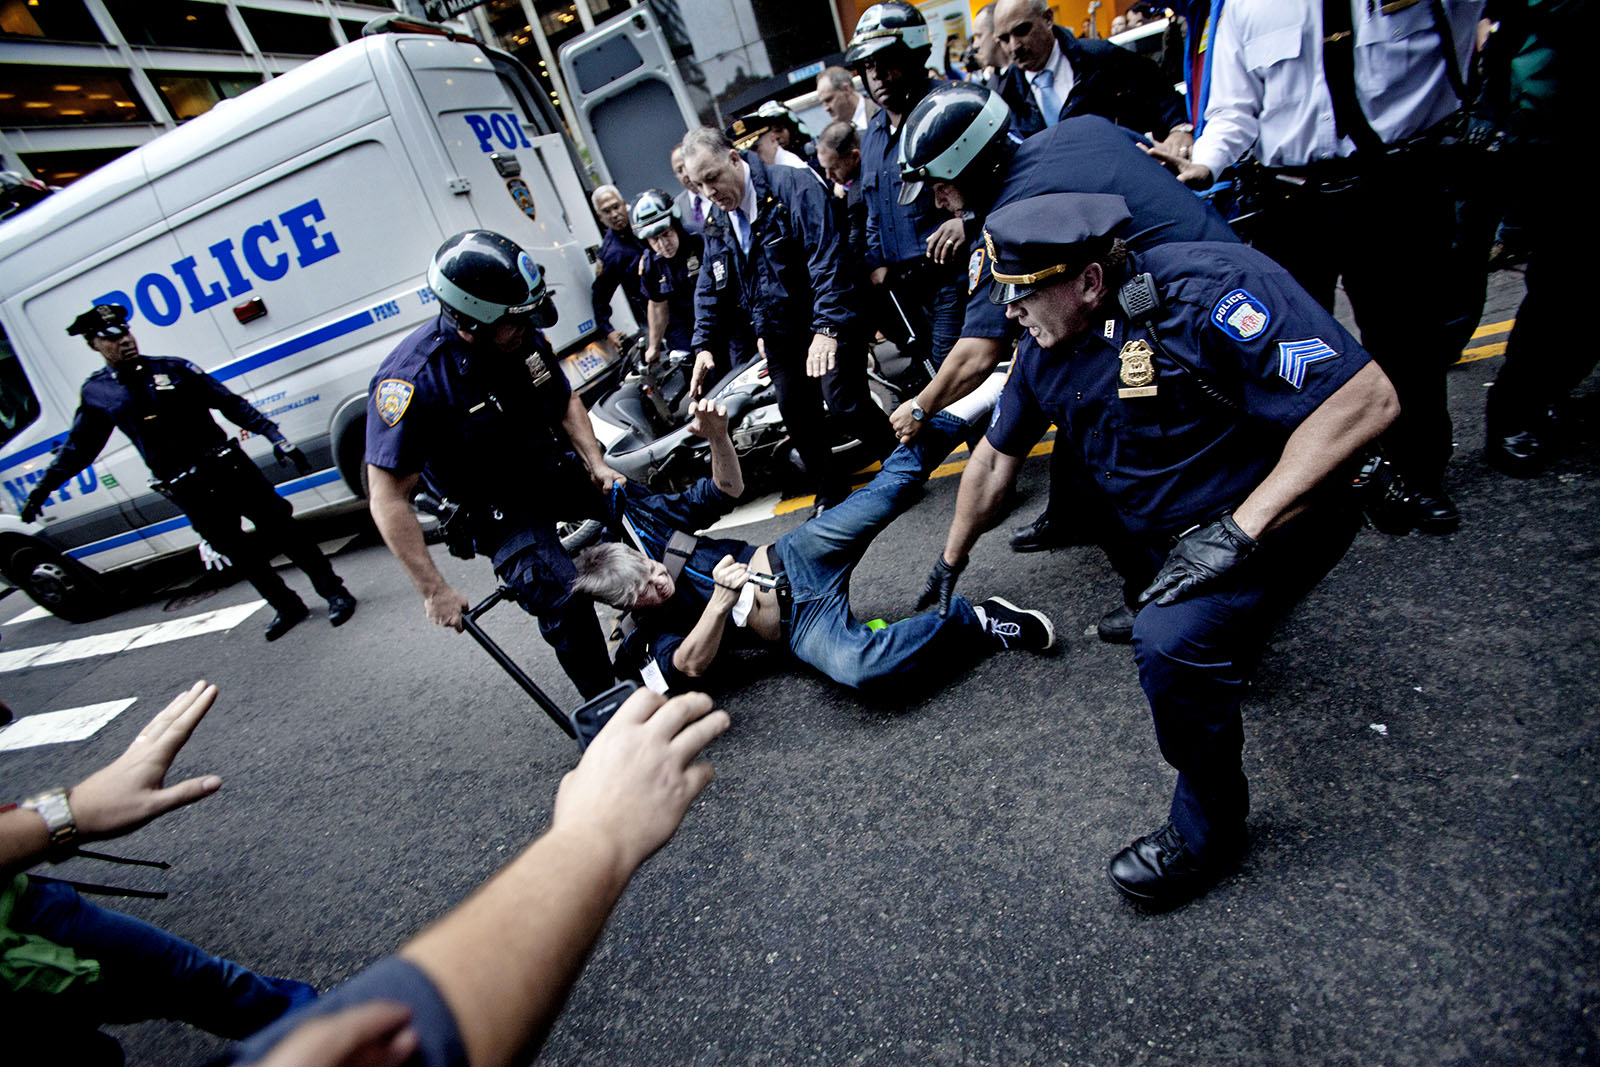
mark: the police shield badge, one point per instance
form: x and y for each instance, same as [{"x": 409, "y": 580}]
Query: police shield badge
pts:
[
  {"x": 523, "y": 197},
  {"x": 1240, "y": 315},
  {"x": 1138, "y": 370},
  {"x": 394, "y": 396}
]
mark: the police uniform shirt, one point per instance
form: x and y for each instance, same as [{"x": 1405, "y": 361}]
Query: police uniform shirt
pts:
[
  {"x": 1089, "y": 154},
  {"x": 672, "y": 281},
  {"x": 661, "y": 629},
  {"x": 618, "y": 262},
  {"x": 895, "y": 234},
  {"x": 1178, "y": 457},
  {"x": 484, "y": 432},
  {"x": 1269, "y": 92},
  {"x": 164, "y": 407}
]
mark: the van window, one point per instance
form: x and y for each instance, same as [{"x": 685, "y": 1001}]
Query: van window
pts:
[{"x": 18, "y": 404}]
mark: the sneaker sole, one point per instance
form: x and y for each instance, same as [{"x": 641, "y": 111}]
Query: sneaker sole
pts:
[{"x": 1050, "y": 631}]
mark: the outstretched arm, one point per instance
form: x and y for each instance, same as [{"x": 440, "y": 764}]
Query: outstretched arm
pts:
[
  {"x": 580, "y": 431},
  {"x": 389, "y": 496},
  {"x": 710, "y": 421},
  {"x": 126, "y": 793},
  {"x": 971, "y": 360},
  {"x": 506, "y": 958}
]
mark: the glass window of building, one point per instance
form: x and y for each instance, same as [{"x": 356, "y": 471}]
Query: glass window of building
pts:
[
  {"x": 295, "y": 35},
  {"x": 64, "y": 168},
  {"x": 174, "y": 24},
  {"x": 187, "y": 94},
  {"x": 57, "y": 20},
  {"x": 67, "y": 96}
]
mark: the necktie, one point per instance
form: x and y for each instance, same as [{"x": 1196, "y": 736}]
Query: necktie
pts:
[
  {"x": 1338, "y": 69},
  {"x": 699, "y": 213},
  {"x": 1049, "y": 102},
  {"x": 741, "y": 228}
]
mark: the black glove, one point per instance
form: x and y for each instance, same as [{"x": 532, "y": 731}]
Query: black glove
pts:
[
  {"x": 35, "y": 504},
  {"x": 1199, "y": 557},
  {"x": 288, "y": 454},
  {"x": 941, "y": 583}
]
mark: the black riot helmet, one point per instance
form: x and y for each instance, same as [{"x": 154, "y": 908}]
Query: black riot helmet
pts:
[
  {"x": 652, "y": 214},
  {"x": 957, "y": 134},
  {"x": 886, "y": 25},
  {"x": 483, "y": 278}
]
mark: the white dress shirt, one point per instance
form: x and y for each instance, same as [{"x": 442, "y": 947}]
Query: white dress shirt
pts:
[
  {"x": 859, "y": 119},
  {"x": 1268, "y": 92},
  {"x": 1061, "y": 70}
]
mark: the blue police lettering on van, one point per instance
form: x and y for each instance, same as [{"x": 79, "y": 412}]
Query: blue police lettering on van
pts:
[
  {"x": 502, "y": 126},
  {"x": 19, "y": 488},
  {"x": 156, "y": 296}
]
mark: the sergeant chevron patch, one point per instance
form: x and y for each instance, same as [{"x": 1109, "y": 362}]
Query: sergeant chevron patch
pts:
[{"x": 1295, "y": 356}]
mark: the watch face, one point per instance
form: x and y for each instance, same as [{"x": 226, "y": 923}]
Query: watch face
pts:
[{"x": 917, "y": 412}]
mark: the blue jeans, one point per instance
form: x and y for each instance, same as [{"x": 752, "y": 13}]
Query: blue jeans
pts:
[
  {"x": 818, "y": 557},
  {"x": 145, "y": 972}
]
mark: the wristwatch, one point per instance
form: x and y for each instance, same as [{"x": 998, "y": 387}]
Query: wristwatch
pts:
[
  {"x": 917, "y": 412},
  {"x": 828, "y": 331},
  {"x": 53, "y": 808}
]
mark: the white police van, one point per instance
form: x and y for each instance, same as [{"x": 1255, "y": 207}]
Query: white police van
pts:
[{"x": 281, "y": 242}]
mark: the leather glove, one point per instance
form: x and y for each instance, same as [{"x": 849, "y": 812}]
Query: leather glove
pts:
[
  {"x": 288, "y": 453},
  {"x": 941, "y": 583},
  {"x": 1199, "y": 557},
  {"x": 34, "y": 505}
]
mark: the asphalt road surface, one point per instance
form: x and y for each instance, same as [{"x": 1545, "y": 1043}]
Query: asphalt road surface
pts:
[{"x": 923, "y": 882}]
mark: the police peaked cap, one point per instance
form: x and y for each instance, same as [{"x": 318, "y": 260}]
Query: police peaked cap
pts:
[
  {"x": 97, "y": 318},
  {"x": 747, "y": 128},
  {"x": 1043, "y": 239}
]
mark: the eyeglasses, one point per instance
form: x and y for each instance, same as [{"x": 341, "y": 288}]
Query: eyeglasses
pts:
[{"x": 1021, "y": 29}]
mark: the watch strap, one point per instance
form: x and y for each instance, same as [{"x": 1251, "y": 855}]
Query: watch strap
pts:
[{"x": 53, "y": 808}]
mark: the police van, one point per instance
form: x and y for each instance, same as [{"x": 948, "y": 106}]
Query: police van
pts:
[{"x": 281, "y": 242}]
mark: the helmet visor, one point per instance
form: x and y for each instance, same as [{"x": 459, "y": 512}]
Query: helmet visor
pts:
[{"x": 910, "y": 189}]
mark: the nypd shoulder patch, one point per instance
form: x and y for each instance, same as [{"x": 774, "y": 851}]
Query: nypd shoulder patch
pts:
[
  {"x": 974, "y": 270},
  {"x": 1240, "y": 315},
  {"x": 1295, "y": 356},
  {"x": 393, "y": 397}
]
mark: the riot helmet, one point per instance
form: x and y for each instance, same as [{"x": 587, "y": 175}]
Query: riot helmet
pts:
[
  {"x": 885, "y": 25},
  {"x": 484, "y": 279},
  {"x": 956, "y": 131},
  {"x": 652, "y": 214}
]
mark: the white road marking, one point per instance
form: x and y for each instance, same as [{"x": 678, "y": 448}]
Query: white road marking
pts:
[
  {"x": 137, "y": 637},
  {"x": 54, "y": 727},
  {"x": 30, "y": 615}
]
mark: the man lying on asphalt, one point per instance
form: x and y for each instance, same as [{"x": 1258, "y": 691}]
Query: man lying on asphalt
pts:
[{"x": 716, "y": 592}]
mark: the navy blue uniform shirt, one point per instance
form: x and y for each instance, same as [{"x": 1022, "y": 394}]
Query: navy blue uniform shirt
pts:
[
  {"x": 661, "y": 629},
  {"x": 1090, "y": 155},
  {"x": 672, "y": 282},
  {"x": 164, "y": 407},
  {"x": 1177, "y": 458},
  {"x": 619, "y": 265},
  {"x": 895, "y": 234},
  {"x": 480, "y": 430},
  {"x": 796, "y": 277}
]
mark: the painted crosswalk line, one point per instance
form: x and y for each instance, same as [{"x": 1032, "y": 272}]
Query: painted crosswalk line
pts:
[
  {"x": 136, "y": 637},
  {"x": 55, "y": 727}
]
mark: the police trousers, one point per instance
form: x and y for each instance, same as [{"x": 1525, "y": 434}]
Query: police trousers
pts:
[
  {"x": 540, "y": 576},
  {"x": 1386, "y": 229},
  {"x": 215, "y": 499},
  {"x": 1196, "y": 656},
  {"x": 844, "y": 389}
]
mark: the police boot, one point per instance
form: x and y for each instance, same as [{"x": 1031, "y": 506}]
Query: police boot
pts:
[
  {"x": 286, "y": 618},
  {"x": 1160, "y": 871},
  {"x": 341, "y": 605}
]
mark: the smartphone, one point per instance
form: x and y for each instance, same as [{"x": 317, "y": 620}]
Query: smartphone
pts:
[{"x": 590, "y": 717}]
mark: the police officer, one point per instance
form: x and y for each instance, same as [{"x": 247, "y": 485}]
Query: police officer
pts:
[
  {"x": 956, "y": 143},
  {"x": 774, "y": 261},
  {"x": 164, "y": 407},
  {"x": 617, "y": 263},
  {"x": 1214, "y": 425},
  {"x": 473, "y": 406},
  {"x": 1347, "y": 106},
  {"x": 912, "y": 247},
  {"x": 667, "y": 272}
]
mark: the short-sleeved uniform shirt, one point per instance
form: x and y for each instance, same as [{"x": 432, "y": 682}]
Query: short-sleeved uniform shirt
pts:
[
  {"x": 1089, "y": 154},
  {"x": 672, "y": 282},
  {"x": 484, "y": 432},
  {"x": 661, "y": 629},
  {"x": 1179, "y": 457}
]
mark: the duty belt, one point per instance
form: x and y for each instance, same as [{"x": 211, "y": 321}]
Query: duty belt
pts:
[
  {"x": 785, "y": 593},
  {"x": 1346, "y": 172},
  {"x": 228, "y": 453}
]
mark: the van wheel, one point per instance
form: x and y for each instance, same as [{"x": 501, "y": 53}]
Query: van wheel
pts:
[
  {"x": 62, "y": 586},
  {"x": 576, "y": 536}
]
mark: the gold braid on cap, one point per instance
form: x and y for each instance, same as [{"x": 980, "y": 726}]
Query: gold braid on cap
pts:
[{"x": 1018, "y": 279}]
